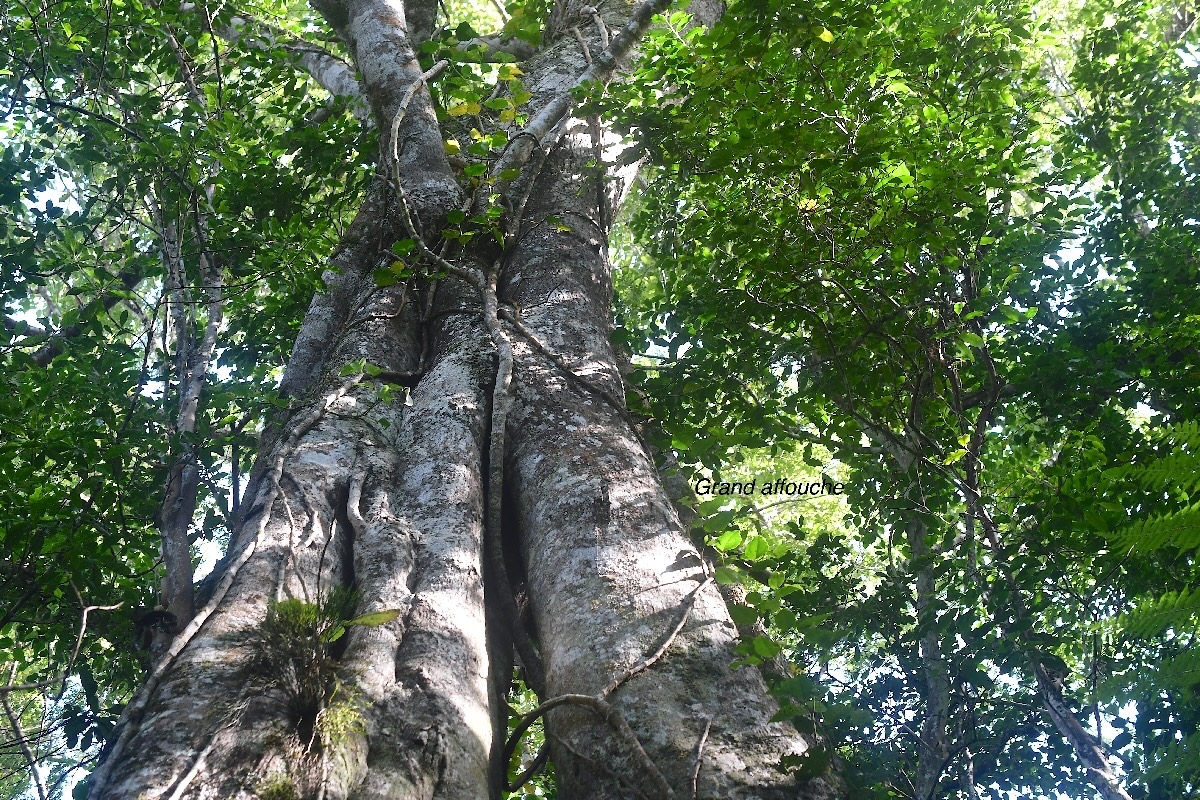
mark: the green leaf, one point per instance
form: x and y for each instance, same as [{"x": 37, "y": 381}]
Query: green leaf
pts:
[
  {"x": 462, "y": 109},
  {"x": 720, "y": 521},
  {"x": 757, "y": 548},
  {"x": 767, "y": 648},
  {"x": 727, "y": 575},
  {"x": 385, "y": 277},
  {"x": 972, "y": 339},
  {"x": 375, "y": 618},
  {"x": 743, "y": 615},
  {"x": 956, "y": 455},
  {"x": 729, "y": 541}
]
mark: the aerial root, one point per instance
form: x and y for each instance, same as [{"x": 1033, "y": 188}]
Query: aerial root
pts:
[{"x": 600, "y": 706}]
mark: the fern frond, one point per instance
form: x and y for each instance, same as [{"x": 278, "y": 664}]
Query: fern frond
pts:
[
  {"x": 1170, "y": 471},
  {"x": 1183, "y": 434},
  {"x": 1153, "y": 615},
  {"x": 1178, "y": 529},
  {"x": 1182, "y": 671},
  {"x": 1179, "y": 760}
]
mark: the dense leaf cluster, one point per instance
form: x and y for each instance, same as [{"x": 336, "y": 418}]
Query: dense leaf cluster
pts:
[{"x": 948, "y": 250}]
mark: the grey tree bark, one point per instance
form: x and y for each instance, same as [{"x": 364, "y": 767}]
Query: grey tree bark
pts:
[
  {"x": 933, "y": 755},
  {"x": 514, "y": 396}
]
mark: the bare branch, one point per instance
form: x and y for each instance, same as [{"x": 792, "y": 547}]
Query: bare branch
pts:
[
  {"x": 57, "y": 341},
  {"x": 83, "y": 621},
  {"x": 22, "y": 687},
  {"x": 497, "y": 45},
  {"x": 699, "y": 759}
]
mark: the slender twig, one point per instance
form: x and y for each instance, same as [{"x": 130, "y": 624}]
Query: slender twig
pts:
[
  {"x": 539, "y": 761},
  {"x": 22, "y": 687},
  {"x": 600, "y": 26},
  {"x": 653, "y": 658},
  {"x": 587, "y": 54},
  {"x": 600, "y": 705},
  {"x": 79, "y": 636},
  {"x": 699, "y": 758}
]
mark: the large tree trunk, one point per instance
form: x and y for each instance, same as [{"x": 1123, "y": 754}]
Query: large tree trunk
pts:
[{"x": 392, "y": 498}]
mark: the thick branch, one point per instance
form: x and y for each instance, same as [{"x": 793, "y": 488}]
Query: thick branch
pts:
[
  {"x": 376, "y": 33},
  {"x": 601, "y": 70},
  {"x": 1088, "y": 749},
  {"x": 330, "y": 72},
  {"x": 20, "y": 327}
]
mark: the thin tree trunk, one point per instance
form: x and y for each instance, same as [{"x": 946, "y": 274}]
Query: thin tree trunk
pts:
[
  {"x": 933, "y": 753},
  {"x": 1093, "y": 756},
  {"x": 905, "y": 466}
]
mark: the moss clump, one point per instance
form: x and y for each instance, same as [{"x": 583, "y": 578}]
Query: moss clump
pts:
[
  {"x": 340, "y": 716},
  {"x": 292, "y": 652},
  {"x": 277, "y": 788}
]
